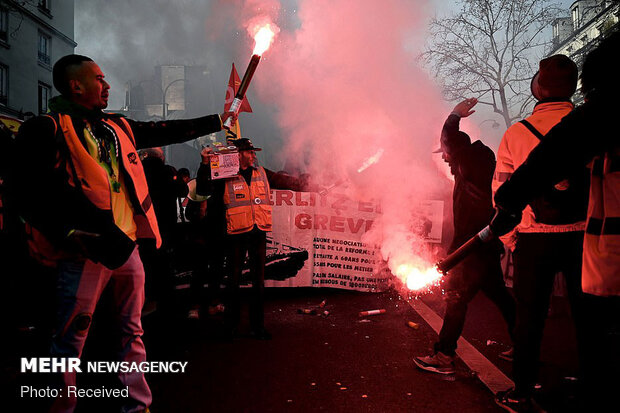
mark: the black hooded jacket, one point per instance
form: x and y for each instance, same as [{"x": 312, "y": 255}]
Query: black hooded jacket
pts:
[{"x": 473, "y": 166}]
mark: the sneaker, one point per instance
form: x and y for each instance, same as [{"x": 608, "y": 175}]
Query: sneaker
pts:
[
  {"x": 436, "y": 363},
  {"x": 193, "y": 314},
  {"x": 507, "y": 355},
  {"x": 513, "y": 403}
]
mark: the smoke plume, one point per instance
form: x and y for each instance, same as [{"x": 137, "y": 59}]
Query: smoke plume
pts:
[
  {"x": 346, "y": 86},
  {"x": 339, "y": 85}
]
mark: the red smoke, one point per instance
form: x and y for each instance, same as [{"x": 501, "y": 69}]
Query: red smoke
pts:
[{"x": 346, "y": 84}]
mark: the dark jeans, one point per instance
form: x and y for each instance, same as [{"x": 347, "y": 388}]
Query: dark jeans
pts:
[
  {"x": 537, "y": 258},
  {"x": 254, "y": 243},
  {"x": 481, "y": 271}
]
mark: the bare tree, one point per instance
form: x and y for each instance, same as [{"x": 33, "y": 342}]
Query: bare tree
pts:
[{"x": 491, "y": 50}]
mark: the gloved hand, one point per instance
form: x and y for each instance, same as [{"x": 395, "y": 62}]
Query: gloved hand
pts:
[{"x": 503, "y": 222}]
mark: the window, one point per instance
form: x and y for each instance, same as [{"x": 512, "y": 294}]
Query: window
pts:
[
  {"x": 44, "y": 48},
  {"x": 4, "y": 84},
  {"x": 575, "y": 14},
  {"x": 44, "y": 5},
  {"x": 4, "y": 24},
  {"x": 44, "y": 95}
]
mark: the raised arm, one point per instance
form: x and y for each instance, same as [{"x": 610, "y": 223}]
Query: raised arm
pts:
[
  {"x": 450, "y": 131},
  {"x": 279, "y": 180}
]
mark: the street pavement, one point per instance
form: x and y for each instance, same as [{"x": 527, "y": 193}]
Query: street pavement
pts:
[{"x": 334, "y": 363}]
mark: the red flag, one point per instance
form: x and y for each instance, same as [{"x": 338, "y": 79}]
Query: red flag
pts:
[{"x": 231, "y": 91}]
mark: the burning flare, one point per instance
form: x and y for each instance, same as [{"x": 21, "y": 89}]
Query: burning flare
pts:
[
  {"x": 408, "y": 256},
  {"x": 417, "y": 278},
  {"x": 263, "y": 39}
]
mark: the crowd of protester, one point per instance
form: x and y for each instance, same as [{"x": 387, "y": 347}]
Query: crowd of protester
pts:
[
  {"x": 557, "y": 208},
  {"x": 114, "y": 211}
]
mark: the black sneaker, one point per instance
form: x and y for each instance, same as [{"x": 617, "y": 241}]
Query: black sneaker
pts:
[
  {"x": 512, "y": 402},
  {"x": 437, "y": 363}
]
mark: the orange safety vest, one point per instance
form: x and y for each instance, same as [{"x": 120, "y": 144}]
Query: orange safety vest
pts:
[
  {"x": 601, "y": 248},
  {"x": 95, "y": 185},
  {"x": 247, "y": 206},
  {"x": 514, "y": 148}
]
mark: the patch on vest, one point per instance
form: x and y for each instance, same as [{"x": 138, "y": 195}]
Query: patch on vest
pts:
[
  {"x": 239, "y": 196},
  {"x": 133, "y": 158}
]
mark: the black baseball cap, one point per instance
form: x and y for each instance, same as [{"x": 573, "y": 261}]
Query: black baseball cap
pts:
[{"x": 245, "y": 144}]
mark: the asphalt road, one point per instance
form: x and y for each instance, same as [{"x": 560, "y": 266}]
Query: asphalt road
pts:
[
  {"x": 335, "y": 363},
  {"x": 315, "y": 363}
]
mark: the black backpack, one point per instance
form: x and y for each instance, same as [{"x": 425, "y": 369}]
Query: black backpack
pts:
[{"x": 567, "y": 201}]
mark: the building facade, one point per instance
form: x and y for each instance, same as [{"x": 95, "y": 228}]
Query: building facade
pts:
[
  {"x": 589, "y": 22},
  {"x": 33, "y": 35},
  {"x": 174, "y": 92}
]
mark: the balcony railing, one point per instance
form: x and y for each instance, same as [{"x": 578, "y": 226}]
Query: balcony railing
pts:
[{"x": 44, "y": 58}]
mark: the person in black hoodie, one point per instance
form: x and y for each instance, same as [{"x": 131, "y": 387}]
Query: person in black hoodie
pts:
[{"x": 472, "y": 165}]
